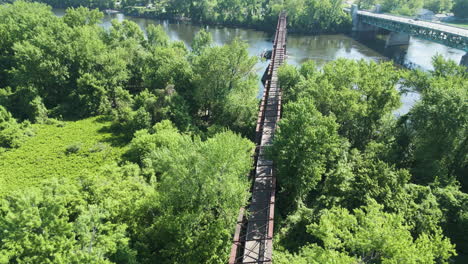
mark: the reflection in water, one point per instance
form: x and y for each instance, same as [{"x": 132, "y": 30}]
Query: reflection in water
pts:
[{"x": 321, "y": 48}]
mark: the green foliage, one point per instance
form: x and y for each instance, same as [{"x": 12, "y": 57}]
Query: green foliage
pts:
[
  {"x": 12, "y": 134},
  {"x": 168, "y": 66},
  {"x": 369, "y": 235},
  {"x": 226, "y": 86},
  {"x": 440, "y": 124},
  {"x": 314, "y": 254},
  {"x": 43, "y": 156},
  {"x": 101, "y": 4},
  {"x": 149, "y": 109},
  {"x": 201, "y": 186},
  {"x": 359, "y": 94},
  {"x": 73, "y": 148},
  {"x": 433, "y": 135},
  {"x": 402, "y": 7},
  {"x": 65, "y": 61},
  {"x": 69, "y": 67},
  {"x": 56, "y": 225},
  {"x": 289, "y": 77},
  {"x": 82, "y": 16},
  {"x": 399, "y": 177},
  {"x": 157, "y": 36},
  {"x": 373, "y": 235},
  {"x": 202, "y": 40},
  {"x": 439, "y": 6},
  {"x": 367, "y": 4},
  {"x": 18, "y": 22},
  {"x": 305, "y": 145},
  {"x": 355, "y": 184},
  {"x": 460, "y": 8},
  {"x": 454, "y": 205},
  {"x": 311, "y": 16}
]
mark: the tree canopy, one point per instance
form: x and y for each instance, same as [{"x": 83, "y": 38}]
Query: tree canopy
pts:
[
  {"x": 170, "y": 129},
  {"x": 349, "y": 169}
]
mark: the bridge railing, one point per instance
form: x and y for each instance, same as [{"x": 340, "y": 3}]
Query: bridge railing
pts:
[{"x": 254, "y": 231}]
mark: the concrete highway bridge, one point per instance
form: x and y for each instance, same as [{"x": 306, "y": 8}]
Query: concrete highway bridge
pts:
[
  {"x": 253, "y": 238},
  {"x": 365, "y": 22}
]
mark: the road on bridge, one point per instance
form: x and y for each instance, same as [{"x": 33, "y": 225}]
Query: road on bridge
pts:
[{"x": 427, "y": 24}]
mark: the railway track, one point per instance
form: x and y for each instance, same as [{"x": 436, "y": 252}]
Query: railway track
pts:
[{"x": 253, "y": 238}]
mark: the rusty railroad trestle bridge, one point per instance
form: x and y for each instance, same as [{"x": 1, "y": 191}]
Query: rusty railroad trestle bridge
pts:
[{"x": 253, "y": 237}]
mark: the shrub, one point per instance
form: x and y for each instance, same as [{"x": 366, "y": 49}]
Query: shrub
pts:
[
  {"x": 98, "y": 147},
  {"x": 12, "y": 134},
  {"x": 73, "y": 148}
]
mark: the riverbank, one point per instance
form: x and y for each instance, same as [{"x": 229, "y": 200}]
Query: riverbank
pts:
[
  {"x": 154, "y": 14},
  {"x": 262, "y": 25}
]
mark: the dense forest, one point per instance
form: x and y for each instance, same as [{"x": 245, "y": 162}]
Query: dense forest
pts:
[
  {"x": 167, "y": 193},
  {"x": 311, "y": 16},
  {"x": 304, "y": 15},
  {"x": 403, "y": 7},
  {"x": 123, "y": 147},
  {"x": 357, "y": 184}
]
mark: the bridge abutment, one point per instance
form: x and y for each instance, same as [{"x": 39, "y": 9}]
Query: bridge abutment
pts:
[
  {"x": 464, "y": 61},
  {"x": 397, "y": 39},
  {"x": 358, "y": 25},
  {"x": 362, "y": 30}
]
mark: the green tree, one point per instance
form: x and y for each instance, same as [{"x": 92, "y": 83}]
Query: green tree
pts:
[
  {"x": 168, "y": 66},
  {"x": 359, "y": 94},
  {"x": 101, "y": 4},
  {"x": 225, "y": 86},
  {"x": 454, "y": 206},
  {"x": 304, "y": 146},
  {"x": 314, "y": 254},
  {"x": 82, "y": 16},
  {"x": 440, "y": 123},
  {"x": 12, "y": 134},
  {"x": 289, "y": 78},
  {"x": 372, "y": 235},
  {"x": 202, "y": 40},
  {"x": 439, "y": 6},
  {"x": 20, "y": 21},
  {"x": 402, "y": 7},
  {"x": 460, "y": 8},
  {"x": 432, "y": 136},
  {"x": 367, "y": 4},
  {"x": 202, "y": 186},
  {"x": 54, "y": 225},
  {"x": 157, "y": 36}
]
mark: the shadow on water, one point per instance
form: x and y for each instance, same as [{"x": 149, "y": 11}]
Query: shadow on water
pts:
[{"x": 397, "y": 54}]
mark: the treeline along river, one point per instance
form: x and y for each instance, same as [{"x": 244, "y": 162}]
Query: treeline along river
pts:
[{"x": 320, "y": 48}]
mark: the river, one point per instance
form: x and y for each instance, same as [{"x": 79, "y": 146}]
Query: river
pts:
[{"x": 320, "y": 48}]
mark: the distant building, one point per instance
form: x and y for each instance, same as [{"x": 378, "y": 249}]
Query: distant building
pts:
[{"x": 425, "y": 14}]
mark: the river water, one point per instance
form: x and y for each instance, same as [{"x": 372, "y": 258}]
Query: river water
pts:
[{"x": 300, "y": 48}]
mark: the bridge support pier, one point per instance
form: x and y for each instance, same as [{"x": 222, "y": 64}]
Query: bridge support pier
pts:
[
  {"x": 464, "y": 61},
  {"x": 363, "y": 30},
  {"x": 397, "y": 39}
]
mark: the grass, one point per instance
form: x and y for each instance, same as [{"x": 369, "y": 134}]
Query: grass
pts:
[{"x": 59, "y": 151}]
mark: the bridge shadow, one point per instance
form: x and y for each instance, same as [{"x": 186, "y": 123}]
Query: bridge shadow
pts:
[{"x": 377, "y": 42}]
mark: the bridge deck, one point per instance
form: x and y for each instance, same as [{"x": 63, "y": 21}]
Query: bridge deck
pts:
[
  {"x": 444, "y": 34},
  {"x": 426, "y": 24},
  {"x": 254, "y": 231}
]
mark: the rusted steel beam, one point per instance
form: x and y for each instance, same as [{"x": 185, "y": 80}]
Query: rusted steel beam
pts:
[{"x": 255, "y": 245}]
